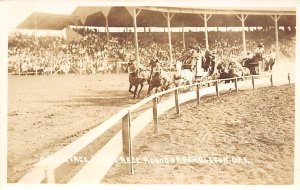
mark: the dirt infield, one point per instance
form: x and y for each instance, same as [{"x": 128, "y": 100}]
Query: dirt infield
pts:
[
  {"x": 244, "y": 138},
  {"x": 46, "y": 113}
]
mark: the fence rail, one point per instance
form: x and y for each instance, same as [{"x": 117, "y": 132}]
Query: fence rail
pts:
[{"x": 45, "y": 169}]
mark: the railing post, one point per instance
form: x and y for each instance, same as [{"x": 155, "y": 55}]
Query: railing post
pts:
[
  {"x": 235, "y": 84},
  {"x": 126, "y": 137},
  {"x": 271, "y": 80},
  {"x": 252, "y": 82},
  {"x": 177, "y": 102},
  {"x": 198, "y": 94},
  {"x": 50, "y": 175},
  {"x": 217, "y": 88},
  {"x": 155, "y": 115},
  {"x": 289, "y": 78}
]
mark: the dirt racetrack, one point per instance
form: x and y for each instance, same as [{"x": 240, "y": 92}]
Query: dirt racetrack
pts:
[
  {"x": 46, "y": 113},
  {"x": 244, "y": 138}
]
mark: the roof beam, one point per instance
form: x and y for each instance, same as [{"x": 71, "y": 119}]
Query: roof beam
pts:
[{"x": 288, "y": 11}]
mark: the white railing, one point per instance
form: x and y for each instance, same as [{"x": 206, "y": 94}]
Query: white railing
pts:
[{"x": 45, "y": 169}]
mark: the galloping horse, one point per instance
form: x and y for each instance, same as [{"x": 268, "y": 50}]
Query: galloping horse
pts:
[
  {"x": 252, "y": 63},
  {"x": 227, "y": 73},
  {"x": 190, "y": 67},
  {"x": 186, "y": 76},
  {"x": 160, "y": 81},
  {"x": 137, "y": 77}
]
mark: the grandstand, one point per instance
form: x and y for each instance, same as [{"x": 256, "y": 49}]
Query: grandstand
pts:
[{"x": 89, "y": 46}]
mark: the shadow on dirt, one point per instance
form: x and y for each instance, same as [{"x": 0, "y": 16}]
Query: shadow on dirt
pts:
[{"x": 108, "y": 98}]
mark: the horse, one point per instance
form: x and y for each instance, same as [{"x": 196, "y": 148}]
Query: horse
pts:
[
  {"x": 185, "y": 76},
  {"x": 269, "y": 63},
  {"x": 232, "y": 72},
  {"x": 160, "y": 81},
  {"x": 136, "y": 79},
  {"x": 252, "y": 63}
]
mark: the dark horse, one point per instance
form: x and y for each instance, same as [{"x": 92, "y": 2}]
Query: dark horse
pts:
[
  {"x": 208, "y": 63},
  {"x": 252, "y": 63},
  {"x": 159, "y": 82},
  {"x": 223, "y": 74},
  {"x": 140, "y": 77}
]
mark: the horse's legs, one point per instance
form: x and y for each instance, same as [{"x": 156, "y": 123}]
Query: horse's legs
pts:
[
  {"x": 140, "y": 90},
  {"x": 130, "y": 87},
  {"x": 135, "y": 89},
  {"x": 149, "y": 89}
]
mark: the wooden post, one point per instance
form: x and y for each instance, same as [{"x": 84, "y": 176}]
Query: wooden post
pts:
[
  {"x": 127, "y": 148},
  {"x": 155, "y": 115},
  {"x": 206, "y": 31},
  {"x": 50, "y": 176},
  {"x": 170, "y": 39},
  {"x": 289, "y": 78},
  {"x": 217, "y": 88},
  {"x": 205, "y": 19},
  {"x": 136, "y": 44},
  {"x": 183, "y": 37},
  {"x": 271, "y": 80},
  {"x": 235, "y": 84},
  {"x": 242, "y": 19},
  {"x": 253, "y": 82},
  {"x": 177, "y": 102},
  {"x": 275, "y": 19},
  {"x": 198, "y": 94},
  {"x": 107, "y": 30},
  {"x": 276, "y": 34},
  {"x": 244, "y": 36}
]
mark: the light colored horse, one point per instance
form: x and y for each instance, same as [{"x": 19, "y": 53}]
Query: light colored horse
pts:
[{"x": 186, "y": 75}]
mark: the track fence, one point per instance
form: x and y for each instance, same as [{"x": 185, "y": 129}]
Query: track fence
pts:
[{"x": 44, "y": 171}]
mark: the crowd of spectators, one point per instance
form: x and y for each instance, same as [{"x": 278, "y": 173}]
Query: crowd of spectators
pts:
[{"x": 93, "y": 53}]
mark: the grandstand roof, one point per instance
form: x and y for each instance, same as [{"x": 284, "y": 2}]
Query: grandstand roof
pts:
[
  {"x": 152, "y": 17},
  {"x": 189, "y": 17},
  {"x": 47, "y": 21}
]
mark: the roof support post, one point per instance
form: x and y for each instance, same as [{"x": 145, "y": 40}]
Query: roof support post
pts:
[
  {"x": 137, "y": 56},
  {"x": 276, "y": 18},
  {"x": 169, "y": 18},
  {"x": 183, "y": 36},
  {"x": 205, "y": 19},
  {"x": 242, "y": 19},
  {"x": 170, "y": 39},
  {"x": 36, "y": 41},
  {"x": 107, "y": 30}
]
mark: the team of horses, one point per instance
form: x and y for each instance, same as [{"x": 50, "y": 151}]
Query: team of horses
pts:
[{"x": 195, "y": 69}]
